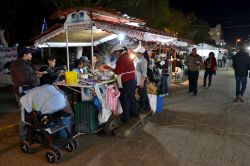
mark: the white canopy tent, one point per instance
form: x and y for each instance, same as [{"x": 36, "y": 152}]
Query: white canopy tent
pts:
[
  {"x": 88, "y": 27},
  {"x": 204, "y": 49}
]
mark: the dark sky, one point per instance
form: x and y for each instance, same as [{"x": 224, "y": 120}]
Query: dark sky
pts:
[{"x": 229, "y": 13}]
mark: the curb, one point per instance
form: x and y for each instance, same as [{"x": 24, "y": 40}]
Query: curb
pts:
[
  {"x": 9, "y": 130},
  {"x": 122, "y": 131},
  {"x": 127, "y": 130}
]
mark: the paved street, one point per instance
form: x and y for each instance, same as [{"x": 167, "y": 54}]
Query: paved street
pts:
[
  {"x": 208, "y": 129},
  {"x": 203, "y": 130}
]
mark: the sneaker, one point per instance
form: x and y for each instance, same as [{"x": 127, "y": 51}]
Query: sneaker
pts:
[
  {"x": 166, "y": 94},
  {"x": 240, "y": 98},
  {"x": 236, "y": 100}
]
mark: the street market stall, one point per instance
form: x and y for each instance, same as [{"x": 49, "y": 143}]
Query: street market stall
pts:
[{"x": 90, "y": 27}]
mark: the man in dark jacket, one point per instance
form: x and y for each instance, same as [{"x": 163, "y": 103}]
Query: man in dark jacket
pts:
[
  {"x": 22, "y": 74},
  {"x": 241, "y": 64},
  {"x": 24, "y": 78}
]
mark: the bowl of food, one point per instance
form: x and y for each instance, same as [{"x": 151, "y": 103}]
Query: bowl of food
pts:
[{"x": 105, "y": 76}]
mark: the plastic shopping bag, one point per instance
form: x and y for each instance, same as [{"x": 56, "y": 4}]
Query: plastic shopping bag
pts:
[{"x": 155, "y": 103}]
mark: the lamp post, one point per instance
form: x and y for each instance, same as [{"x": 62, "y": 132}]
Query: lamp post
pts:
[{"x": 237, "y": 42}]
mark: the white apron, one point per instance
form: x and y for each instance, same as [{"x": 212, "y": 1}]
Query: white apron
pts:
[{"x": 119, "y": 78}]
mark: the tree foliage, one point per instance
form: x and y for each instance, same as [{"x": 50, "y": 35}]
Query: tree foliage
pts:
[{"x": 22, "y": 18}]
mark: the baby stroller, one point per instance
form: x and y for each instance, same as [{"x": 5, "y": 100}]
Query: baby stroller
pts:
[{"x": 45, "y": 122}]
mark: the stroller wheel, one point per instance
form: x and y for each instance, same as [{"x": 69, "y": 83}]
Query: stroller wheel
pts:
[
  {"x": 74, "y": 143},
  {"x": 69, "y": 147},
  {"x": 25, "y": 147},
  {"x": 58, "y": 153},
  {"x": 51, "y": 157}
]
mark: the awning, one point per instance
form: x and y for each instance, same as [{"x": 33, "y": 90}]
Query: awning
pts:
[{"x": 80, "y": 35}]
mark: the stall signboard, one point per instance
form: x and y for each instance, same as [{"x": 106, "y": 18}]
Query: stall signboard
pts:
[
  {"x": 81, "y": 17},
  {"x": 7, "y": 55}
]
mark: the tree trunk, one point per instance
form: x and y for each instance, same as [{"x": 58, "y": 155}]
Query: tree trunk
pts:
[{"x": 2, "y": 38}]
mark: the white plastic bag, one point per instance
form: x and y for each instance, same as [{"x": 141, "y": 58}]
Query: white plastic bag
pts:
[{"x": 152, "y": 101}]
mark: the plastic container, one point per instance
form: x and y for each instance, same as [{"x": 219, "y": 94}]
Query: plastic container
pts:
[
  {"x": 71, "y": 77},
  {"x": 86, "y": 117}
]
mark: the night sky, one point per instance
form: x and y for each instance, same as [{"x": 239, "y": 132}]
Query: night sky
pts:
[{"x": 229, "y": 13}]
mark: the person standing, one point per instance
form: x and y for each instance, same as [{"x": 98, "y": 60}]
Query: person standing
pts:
[
  {"x": 193, "y": 62},
  {"x": 24, "y": 78},
  {"x": 210, "y": 69},
  {"x": 141, "y": 77},
  {"x": 125, "y": 71},
  {"x": 23, "y": 75},
  {"x": 163, "y": 65},
  {"x": 219, "y": 58},
  {"x": 241, "y": 64}
]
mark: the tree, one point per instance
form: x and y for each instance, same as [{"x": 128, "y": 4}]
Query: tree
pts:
[
  {"x": 198, "y": 29},
  {"x": 21, "y": 19}
]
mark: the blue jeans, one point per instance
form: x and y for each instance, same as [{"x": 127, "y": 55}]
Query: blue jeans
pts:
[
  {"x": 241, "y": 83},
  {"x": 144, "y": 101},
  {"x": 164, "y": 83},
  {"x": 209, "y": 73},
  {"x": 128, "y": 100}
]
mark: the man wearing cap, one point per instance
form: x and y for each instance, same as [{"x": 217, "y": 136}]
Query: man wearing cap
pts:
[
  {"x": 141, "y": 77},
  {"x": 125, "y": 72},
  {"x": 22, "y": 74},
  {"x": 24, "y": 78}
]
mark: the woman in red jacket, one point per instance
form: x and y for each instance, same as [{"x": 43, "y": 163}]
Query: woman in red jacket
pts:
[{"x": 210, "y": 69}]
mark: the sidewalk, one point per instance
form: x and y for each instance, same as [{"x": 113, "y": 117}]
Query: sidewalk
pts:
[
  {"x": 9, "y": 111},
  {"x": 207, "y": 129}
]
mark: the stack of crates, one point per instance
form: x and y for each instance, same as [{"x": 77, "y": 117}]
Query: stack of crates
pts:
[{"x": 86, "y": 117}]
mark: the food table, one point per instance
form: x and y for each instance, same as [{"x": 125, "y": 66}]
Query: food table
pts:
[{"x": 85, "y": 112}]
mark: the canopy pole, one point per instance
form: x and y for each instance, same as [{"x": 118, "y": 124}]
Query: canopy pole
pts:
[
  {"x": 67, "y": 47},
  {"x": 92, "y": 46}
]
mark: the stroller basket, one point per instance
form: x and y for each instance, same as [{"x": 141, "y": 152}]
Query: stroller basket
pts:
[{"x": 55, "y": 128}]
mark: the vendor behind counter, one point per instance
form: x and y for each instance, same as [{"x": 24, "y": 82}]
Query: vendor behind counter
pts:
[{"x": 50, "y": 72}]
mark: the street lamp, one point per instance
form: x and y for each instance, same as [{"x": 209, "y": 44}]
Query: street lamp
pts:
[{"x": 237, "y": 41}]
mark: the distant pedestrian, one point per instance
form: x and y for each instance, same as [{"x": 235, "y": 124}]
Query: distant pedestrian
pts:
[
  {"x": 193, "y": 62},
  {"x": 241, "y": 64},
  {"x": 219, "y": 59},
  {"x": 224, "y": 59},
  {"x": 210, "y": 69}
]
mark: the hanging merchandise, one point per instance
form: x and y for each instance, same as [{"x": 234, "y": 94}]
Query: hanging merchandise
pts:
[
  {"x": 103, "y": 115},
  {"x": 97, "y": 103},
  {"x": 112, "y": 97}
]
